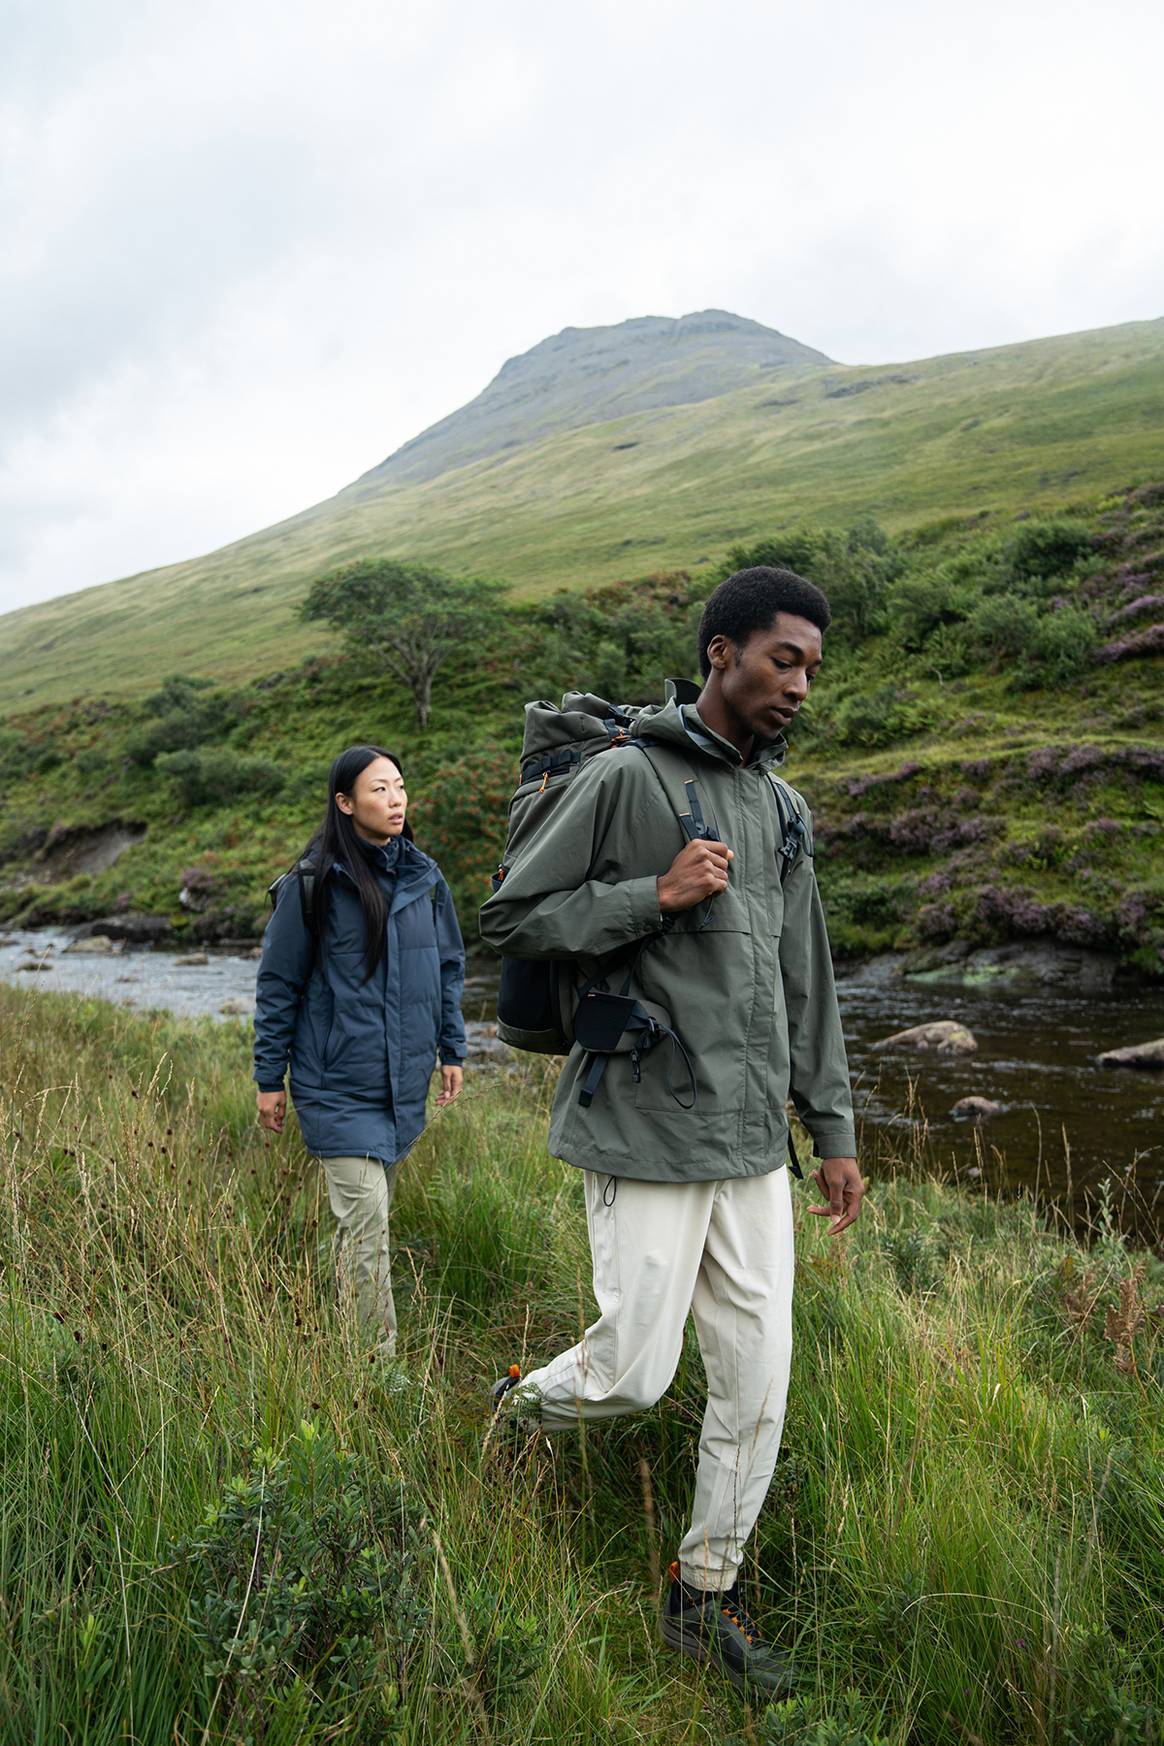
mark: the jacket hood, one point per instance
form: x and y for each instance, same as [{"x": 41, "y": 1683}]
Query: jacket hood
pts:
[
  {"x": 678, "y": 722},
  {"x": 408, "y": 869}
]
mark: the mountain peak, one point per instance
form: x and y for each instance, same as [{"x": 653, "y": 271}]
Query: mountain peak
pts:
[{"x": 588, "y": 375}]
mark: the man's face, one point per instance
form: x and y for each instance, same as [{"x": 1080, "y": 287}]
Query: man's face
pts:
[{"x": 764, "y": 682}]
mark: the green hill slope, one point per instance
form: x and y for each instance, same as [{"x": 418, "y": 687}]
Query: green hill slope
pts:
[
  {"x": 1019, "y": 427},
  {"x": 983, "y": 752}
]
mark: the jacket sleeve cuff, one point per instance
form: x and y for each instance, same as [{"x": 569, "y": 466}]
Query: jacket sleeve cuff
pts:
[
  {"x": 643, "y": 895},
  {"x": 834, "y": 1140},
  {"x": 450, "y": 1058}
]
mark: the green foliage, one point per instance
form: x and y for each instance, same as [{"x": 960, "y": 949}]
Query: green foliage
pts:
[
  {"x": 308, "y": 1569},
  {"x": 856, "y": 568},
  {"x": 461, "y": 820},
  {"x": 407, "y": 618},
  {"x": 851, "y": 1721},
  {"x": 186, "y": 712},
  {"x": 1034, "y": 646},
  {"x": 880, "y": 717},
  {"x": 620, "y": 641},
  {"x": 393, "y": 1570},
  {"x": 213, "y": 776},
  {"x": 1044, "y": 550}
]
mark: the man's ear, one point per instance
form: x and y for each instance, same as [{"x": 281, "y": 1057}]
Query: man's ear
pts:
[{"x": 719, "y": 652}]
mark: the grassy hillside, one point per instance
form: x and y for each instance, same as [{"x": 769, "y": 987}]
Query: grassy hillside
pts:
[
  {"x": 219, "y": 1523},
  {"x": 983, "y": 751},
  {"x": 1023, "y": 427}
]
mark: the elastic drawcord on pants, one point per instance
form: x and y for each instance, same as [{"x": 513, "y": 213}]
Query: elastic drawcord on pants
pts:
[{"x": 610, "y": 1191}]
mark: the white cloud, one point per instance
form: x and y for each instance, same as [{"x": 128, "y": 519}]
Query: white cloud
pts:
[{"x": 250, "y": 249}]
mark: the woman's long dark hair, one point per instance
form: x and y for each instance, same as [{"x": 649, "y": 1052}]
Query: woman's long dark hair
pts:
[{"x": 338, "y": 840}]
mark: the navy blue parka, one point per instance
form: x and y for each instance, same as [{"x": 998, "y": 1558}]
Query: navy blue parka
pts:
[{"x": 361, "y": 1052}]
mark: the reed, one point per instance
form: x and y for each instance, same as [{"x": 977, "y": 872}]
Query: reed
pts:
[{"x": 220, "y": 1523}]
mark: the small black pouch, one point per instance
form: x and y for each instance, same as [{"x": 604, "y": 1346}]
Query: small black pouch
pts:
[{"x": 618, "y": 1024}]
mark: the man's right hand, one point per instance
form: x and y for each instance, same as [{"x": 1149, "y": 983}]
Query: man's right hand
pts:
[
  {"x": 699, "y": 871},
  {"x": 272, "y": 1109}
]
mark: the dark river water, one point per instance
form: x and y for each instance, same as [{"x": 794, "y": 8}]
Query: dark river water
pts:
[{"x": 1064, "y": 1120}]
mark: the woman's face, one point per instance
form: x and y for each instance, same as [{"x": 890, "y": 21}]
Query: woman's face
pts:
[{"x": 377, "y": 803}]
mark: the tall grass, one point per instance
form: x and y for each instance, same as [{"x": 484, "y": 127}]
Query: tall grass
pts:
[{"x": 966, "y": 1527}]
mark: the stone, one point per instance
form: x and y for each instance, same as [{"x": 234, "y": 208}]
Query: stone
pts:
[
  {"x": 96, "y": 943},
  {"x": 135, "y": 930},
  {"x": 975, "y": 1109},
  {"x": 36, "y": 964},
  {"x": 945, "y": 1036},
  {"x": 1144, "y": 1055},
  {"x": 8, "y": 940},
  {"x": 237, "y": 1008},
  {"x": 192, "y": 958}
]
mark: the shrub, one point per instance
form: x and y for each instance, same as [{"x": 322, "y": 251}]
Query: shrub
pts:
[
  {"x": 460, "y": 819},
  {"x": 307, "y": 1569},
  {"x": 925, "y": 600},
  {"x": 1044, "y": 550},
  {"x": 208, "y": 777},
  {"x": 856, "y": 568},
  {"x": 1045, "y": 647},
  {"x": 186, "y": 713},
  {"x": 877, "y": 718}
]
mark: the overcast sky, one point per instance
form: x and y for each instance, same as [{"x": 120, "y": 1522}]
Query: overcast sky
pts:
[{"x": 249, "y": 248}]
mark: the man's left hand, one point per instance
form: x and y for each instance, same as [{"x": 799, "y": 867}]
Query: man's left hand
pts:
[
  {"x": 839, "y": 1180},
  {"x": 452, "y": 1079}
]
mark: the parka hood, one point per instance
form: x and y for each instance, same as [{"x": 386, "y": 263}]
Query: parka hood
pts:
[{"x": 678, "y": 722}]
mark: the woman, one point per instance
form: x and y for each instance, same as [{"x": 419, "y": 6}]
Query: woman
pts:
[{"x": 359, "y": 989}]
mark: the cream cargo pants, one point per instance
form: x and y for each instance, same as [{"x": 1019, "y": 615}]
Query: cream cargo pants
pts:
[
  {"x": 722, "y": 1250},
  {"x": 360, "y": 1191}
]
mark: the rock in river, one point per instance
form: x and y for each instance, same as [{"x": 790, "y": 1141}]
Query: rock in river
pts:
[
  {"x": 946, "y": 1036},
  {"x": 975, "y": 1109},
  {"x": 99, "y": 943},
  {"x": 1135, "y": 1055},
  {"x": 191, "y": 958}
]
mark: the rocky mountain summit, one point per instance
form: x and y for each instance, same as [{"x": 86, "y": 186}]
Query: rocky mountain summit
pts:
[{"x": 587, "y": 375}]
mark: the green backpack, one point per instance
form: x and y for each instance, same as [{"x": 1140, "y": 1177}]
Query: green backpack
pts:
[{"x": 539, "y": 1000}]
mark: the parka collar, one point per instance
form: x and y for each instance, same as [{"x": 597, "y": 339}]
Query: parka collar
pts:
[
  {"x": 681, "y": 724},
  {"x": 408, "y": 868}
]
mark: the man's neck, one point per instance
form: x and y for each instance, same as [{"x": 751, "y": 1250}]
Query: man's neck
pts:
[{"x": 714, "y": 715}]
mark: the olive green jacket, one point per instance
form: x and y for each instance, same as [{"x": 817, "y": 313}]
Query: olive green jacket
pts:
[{"x": 747, "y": 978}]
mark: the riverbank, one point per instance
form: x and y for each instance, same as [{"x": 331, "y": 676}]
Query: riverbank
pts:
[
  {"x": 964, "y": 1530},
  {"x": 1057, "y": 1123}
]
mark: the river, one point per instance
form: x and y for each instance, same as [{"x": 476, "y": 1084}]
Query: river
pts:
[{"x": 1064, "y": 1120}]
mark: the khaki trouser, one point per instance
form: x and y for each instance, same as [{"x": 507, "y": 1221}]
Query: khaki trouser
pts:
[
  {"x": 360, "y": 1191},
  {"x": 722, "y": 1250}
]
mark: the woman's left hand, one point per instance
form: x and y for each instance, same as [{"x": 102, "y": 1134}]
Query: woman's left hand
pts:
[{"x": 452, "y": 1079}]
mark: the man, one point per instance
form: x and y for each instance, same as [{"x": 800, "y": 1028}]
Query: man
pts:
[{"x": 687, "y": 1195}]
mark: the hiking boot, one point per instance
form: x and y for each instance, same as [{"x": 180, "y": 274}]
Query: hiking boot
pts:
[{"x": 714, "y": 1628}]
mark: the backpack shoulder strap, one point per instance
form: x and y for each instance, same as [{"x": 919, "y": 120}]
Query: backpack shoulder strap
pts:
[
  {"x": 795, "y": 838},
  {"x": 304, "y": 872},
  {"x": 680, "y": 786}
]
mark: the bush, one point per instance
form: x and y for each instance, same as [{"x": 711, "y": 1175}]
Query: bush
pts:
[
  {"x": 1044, "y": 550},
  {"x": 207, "y": 778},
  {"x": 620, "y": 641},
  {"x": 924, "y": 601},
  {"x": 877, "y": 718},
  {"x": 460, "y": 819},
  {"x": 855, "y": 568},
  {"x": 186, "y": 713},
  {"x": 307, "y": 1569},
  {"x": 1045, "y": 647}
]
